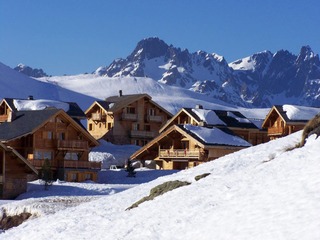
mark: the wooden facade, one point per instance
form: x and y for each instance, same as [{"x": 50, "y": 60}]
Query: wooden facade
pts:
[
  {"x": 279, "y": 125},
  {"x": 15, "y": 172},
  {"x": 176, "y": 148},
  {"x": 126, "y": 119},
  {"x": 49, "y": 134},
  {"x": 242, "y": 128}
]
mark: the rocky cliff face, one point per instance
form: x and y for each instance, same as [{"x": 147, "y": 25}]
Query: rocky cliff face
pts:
[
  {"x": 260, "y": 80},
  {"x": 37, "y": 73}
]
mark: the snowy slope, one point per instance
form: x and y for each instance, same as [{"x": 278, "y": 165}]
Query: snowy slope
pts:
[
  {"x": 100, "y": 87},
  {"x": 17, "y": 85},
  {"x": 262, "y": 192}
]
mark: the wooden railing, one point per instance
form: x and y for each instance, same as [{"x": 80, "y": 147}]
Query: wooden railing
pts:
[
  {"x": 137, "y": 133},
  {"x": 3, "y": 118},
  {"x": 129, "y": 116},
  {"x": 154, "y": 118},
  {"x": 38, "y": 163},
  {"x": 98, "y": 117},
  {"x": 278, "y": 131},
  {"x": 179, "y": 153},
  {"x": 79, "y": 164},
  {"x": 75, "y": 144}
]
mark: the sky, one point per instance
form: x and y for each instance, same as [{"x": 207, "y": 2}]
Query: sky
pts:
[{"x": 77, "y": 36}]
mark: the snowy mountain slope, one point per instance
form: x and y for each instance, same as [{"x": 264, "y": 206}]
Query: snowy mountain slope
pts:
[
  {"x": 262, "y": 192},
  {"x": 260, "y": 80},
  {"x": 100, "y": 87},
  {"x": 17, "y": 85}
]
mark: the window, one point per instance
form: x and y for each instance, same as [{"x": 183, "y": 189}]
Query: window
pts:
[
  {"x": 136, "y": 142},
  {"x": 71, "y": 156},
  {"x": 88, "y": 176},
  {"x": 152, "y": 112},
  {"x": 131, "y": 110},
  {"x": 90, "y": 126},
  {"x": 109, "y": 126},
  {"x": 40, "y": 155},
  {"x": 47, "y": 135},
  {"x": 62, "y": 136},
  {"x": 136, "y": 127},
  {"x": 73, "y": 177}
]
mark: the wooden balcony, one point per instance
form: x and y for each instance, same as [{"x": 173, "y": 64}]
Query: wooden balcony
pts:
[
  {"x": 3, "y": 118},
  {"x": 147, "y": 134},
  {"x": 151, "y": 118},
  {"x": 276, "y": 131},
  {"x": 72, "y": 145},
  {"x": 129, "y": 116},
  {"x": 38, "y": 163},
  {"x": 98, "y": 117},
  {"x": 179, "y": 153},
  {"x": 79, "y": 164}
]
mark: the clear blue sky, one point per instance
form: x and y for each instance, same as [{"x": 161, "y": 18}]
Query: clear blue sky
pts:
[{"x": 77, "y": 36}]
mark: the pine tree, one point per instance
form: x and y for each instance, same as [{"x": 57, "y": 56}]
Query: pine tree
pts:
[{"x": 46, "y": 174}]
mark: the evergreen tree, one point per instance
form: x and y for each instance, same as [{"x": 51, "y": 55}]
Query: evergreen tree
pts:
[{"x": 46, "y": 174}]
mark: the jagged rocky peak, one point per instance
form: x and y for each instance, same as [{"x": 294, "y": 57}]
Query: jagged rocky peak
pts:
[
  {"x": 31, "y": 72},
  {"x": 306, "y": 54},
  {"x": 149, "y": 48},
  {"x": 254, "y": 62}
]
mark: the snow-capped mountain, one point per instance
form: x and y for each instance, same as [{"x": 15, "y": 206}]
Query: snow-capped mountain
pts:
[
  {"x": 260, "y": 80},
  {"x": 31, "y": 72}
]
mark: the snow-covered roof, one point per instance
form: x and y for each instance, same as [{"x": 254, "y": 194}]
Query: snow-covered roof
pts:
[
  {"x": 216, "y": 136},
  {"x": 299, "y": 113},
  {"x": 208, "y": 116},
  {"x": 39, "y": 104}
]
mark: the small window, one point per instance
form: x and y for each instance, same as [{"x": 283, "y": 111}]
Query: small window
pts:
[
  {"x": 88, "y": 176},
  {"x": 131, "y": 110},
  {"x": 41, "y": 155},
  {"x": 136, "y": 127},
  {"x": 136, "y": 142},
  {"x": 73, "y": 177},
  {"x": 62, "y": 136},
  {"x": 71, "y": 156},
  {"x": 152, "y": 112},
  {"x": 109, "y": 126},
  {"x": 90, "y": 126},
  {"x": 47, "y": 135}
]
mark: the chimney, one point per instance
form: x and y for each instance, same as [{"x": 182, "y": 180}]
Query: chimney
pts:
[
  {"x": 120, "y": 93},
  {"x": 30, "y": 97},
  {"x": 198, "y": 106}
]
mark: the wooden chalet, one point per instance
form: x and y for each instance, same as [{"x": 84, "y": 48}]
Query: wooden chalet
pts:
[
  {"x": 283, "y": 120},
  {"x": 185, "y": 146},
  {"x": 233, "y": 120},
  {"x": 126, "y": 119},
  {"x": 15, "y": 172},
  {"x": 49, "y": 133}
]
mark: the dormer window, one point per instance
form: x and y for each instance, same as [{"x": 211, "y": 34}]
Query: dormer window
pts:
[{"x": 151, "y": 112}]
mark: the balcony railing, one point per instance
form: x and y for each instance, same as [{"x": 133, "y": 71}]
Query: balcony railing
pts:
[
  {"x": 38, "y": 163},
  {"x": 276, "y": 131},
  {"x": 179, "y": 153},
  {"x": 154, "y": 118},
  {"x": 129, "y": 116},
  {"x": 98, "y": 117},
  {"x": 79, "y": 164},
  {"x": 137, "y": 133},
  {"x": 76, "y": 144},
  {"x": 3, "y": 118}
]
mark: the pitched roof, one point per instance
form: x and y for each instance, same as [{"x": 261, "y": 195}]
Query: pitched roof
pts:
[
  {"x": 116, "y": 103},
  {"x": 214, "y": 136},
  {"x": 203, "y": 136},
  {"x": 24, "y": 123},
  {"x": 293, "y": 114}
]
